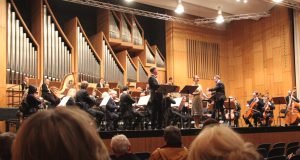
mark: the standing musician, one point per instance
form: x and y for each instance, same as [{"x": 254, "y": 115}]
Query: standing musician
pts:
[
  {"x": 197, "y": 104},
  {"x": 268, "y": 111},
  {"x": 237, "y": 112},
  {"x": 255, "y": 112},
  {"x": 101, "y": 83},
  {"x": 219, "y": 97},
  {"x": 128, "y": 113},
  {"x": 156, "y": 100},
  {"x": 47, "y": 95}
]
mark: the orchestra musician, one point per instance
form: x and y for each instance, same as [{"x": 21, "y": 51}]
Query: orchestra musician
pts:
[
  {"x": 128, "y": 113},
  {"x": 167, "y": 111},
  {"x": 237, "y": 112},
  {"x": 33, "y": 101},
  {"x": 219, "y": 97},
  {"x": 268, "y": 111},
  {"x": 197, "y": 105},
  {"x": 47, "y": 95},
  {"x": 24, "y": 84},
  {"x": 156, "y": 100},
  {"x": 85, "y": 101},
  {"x": 170, "y": 81},
  {"x": 257, "y": 111},
  {"x": 111, "y": 111},
  {"x": 101, "y": 83}
]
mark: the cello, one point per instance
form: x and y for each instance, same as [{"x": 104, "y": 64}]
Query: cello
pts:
[{"x": 251, "y": 108}]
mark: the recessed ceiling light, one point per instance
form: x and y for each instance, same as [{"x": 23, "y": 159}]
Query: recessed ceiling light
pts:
[{"x": 179, "y": 9}]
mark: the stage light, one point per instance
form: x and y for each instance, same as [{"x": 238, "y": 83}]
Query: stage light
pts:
[
  {"x": 179, "y": 9},
  {"x": 245, "y": 1},
  {"x": 277, "y": 1},
  {"x": 238, "y": 0},
  {"x": 220, "y": 18}
]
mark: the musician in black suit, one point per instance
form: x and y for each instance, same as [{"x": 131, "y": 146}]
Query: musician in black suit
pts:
[
  {"x": 85, "y": 101},
  {"x": 156, "y": 100},
  {"x": 101, "y": 83},
  {"x": 32, "y": 102},
  {"x": 111, "y": 111},
  {"x": 25, "y": 85},
  {"x": 219, "y": 97},
  {"x": 268, "y": 111},
  {"x": 47, "y": 95},
  {"x": 257, "y": 110},
  {"x": 167, "y": 110},
  {"x": 128, "y": 113}
]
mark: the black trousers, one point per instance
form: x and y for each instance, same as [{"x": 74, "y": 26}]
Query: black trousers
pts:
[
  {"x": 133, "y": 116},
  {"x": 256, "y": 117},
  {"x": 219, "y": 108},
  {"x": 50, "y": 98},
  {"x": 157, "y": 114},
  {"x": 112, "y": 120}
]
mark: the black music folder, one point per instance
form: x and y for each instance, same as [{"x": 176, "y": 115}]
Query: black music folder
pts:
[
  {"x": 167, "y": 88},
  {"x": 188, "y": 89}
]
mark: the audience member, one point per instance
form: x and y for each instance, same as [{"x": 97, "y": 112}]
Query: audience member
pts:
[
  {"x": 59, "y": 134},
  {"x": 173, "y": 148},
  {"x": 6, "y": 141},
  {"x": 221, "y": 143},
  {"x": 120, "y": 146},
  {"x": 210, "y": 122}
]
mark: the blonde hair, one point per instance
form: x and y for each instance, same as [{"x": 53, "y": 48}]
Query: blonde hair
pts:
[
  {"x": 59, "y": 134},
  {"x": 120, "y": 144},
  {"x": 221, "y": 143}
]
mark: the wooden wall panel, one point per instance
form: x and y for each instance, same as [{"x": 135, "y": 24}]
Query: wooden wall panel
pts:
[{"x": 3, "y": 19}]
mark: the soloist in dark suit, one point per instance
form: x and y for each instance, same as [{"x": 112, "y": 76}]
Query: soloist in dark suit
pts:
[
  {"x": 219, "y": 99},
  {"x": 86, "y": 102},
  {"x": 47, "y": 95},
  {"x": 257, "y": 114},
  {"x": 111, "y": 114},
  {"x": 156, "y": 102},
  {"x": 129, "y": 114}
]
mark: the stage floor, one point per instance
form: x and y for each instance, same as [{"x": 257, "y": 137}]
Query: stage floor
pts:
[{"x": 149, "y": 140}]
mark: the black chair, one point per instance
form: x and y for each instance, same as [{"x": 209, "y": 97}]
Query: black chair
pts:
[
  {"x": 277, "y": 158},
  {"x": 266, "y": 146},
  {"x": 276, "y": 152},
  {"x": 296, "y": 157},
  {"x": 292, "y": 144},
  {"x": 143, "y": 155},
  {"x": 292, "y": 150},
  {"x": 263, "y": 152},
  {"x": 277, "y": 145}
]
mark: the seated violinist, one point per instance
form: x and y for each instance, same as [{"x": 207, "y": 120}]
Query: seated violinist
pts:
[
  {"x": 237, "y": 112},
  {"x": 268, "y": 111},
  {"x": 32, "y": 102},
  {"x": 47, "y": 95},
  {"x": 254, "y": 110}
]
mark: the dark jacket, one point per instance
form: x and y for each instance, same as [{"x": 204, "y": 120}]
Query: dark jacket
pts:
[
  {"x": 128, "y": 156},
  {"x": 45, "y": 90},
  {"x": 167, "y": 101},
  {"x": 155, "y": 96},
  {"x": 32, "y": 103},
  {"x": 126, "y": 104},
  {"x": 219, "y": 90},
  {"x": 100, "y": 85},
  {"x": 111, "y": 105},
  {"x": 84, "y": 98},
  {"x": 260, "y": 104}
]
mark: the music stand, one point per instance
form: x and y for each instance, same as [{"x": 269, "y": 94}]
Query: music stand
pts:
[
  {"x": 165, "y": 89},
  {"x": 228, "y": 106},
  {"x": 188, "y": 89},
  {"x": 102, "y": 90},
  {"x": 112, "y": 85},
  {"x": 279, "y": 101}
]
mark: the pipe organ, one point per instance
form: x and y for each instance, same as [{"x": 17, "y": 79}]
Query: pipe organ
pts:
[
  {"x": 136, "y": 34},
  {"x": 131, "y": 70},
  {"x": 114, "y": 31},
  {"x": 149, "y": 54},
  {"x": 113, "y": 70},
  {"x": 88, "y": 61},
  {"x": 160, "y": 62},
  {"x": 143, "y": 75},
  {"x": 57, "y": 51},
  {"x": 126, "y": 32},
  {"x": 22, "y": 49}
]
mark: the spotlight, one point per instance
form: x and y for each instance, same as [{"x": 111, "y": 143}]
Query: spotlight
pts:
[
  {"x": 128, "y": 1},
  {"x": 245, "y": 1},
  {"x": 220, "y": 18},
  {"x": 277, "y": 1},
  {"x": 179, "y": 9}
]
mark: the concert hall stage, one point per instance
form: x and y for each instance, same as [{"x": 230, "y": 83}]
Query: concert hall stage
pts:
[{"x": 148, "y": 140}]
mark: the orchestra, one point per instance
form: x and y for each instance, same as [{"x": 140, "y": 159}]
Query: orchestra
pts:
[{"x": 121, "y": 111}]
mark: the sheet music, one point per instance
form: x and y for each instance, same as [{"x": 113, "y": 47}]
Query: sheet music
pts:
[
  {"x": 104, "y": 101},
  {"x": 143, "y": 101},
  {"x": 178, "y": 101},
  {"x": 64, "y": 101}
]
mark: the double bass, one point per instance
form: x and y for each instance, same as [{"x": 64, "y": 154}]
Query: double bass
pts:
[{"x": 292, "y": 115}]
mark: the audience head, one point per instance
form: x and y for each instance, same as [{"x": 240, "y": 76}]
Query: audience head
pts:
[
  {"x": 120, "y": 145},
  {"x": 32, "y": 89},
  {"x": 172, "y": 136},
  {"x": 47, "y": 81},
  {"x": 59, "y": 134},
  {"x": 210, "y": 122},
  {"x": 84, "y": 85},
  {"x": 221, "y": 143},
  {"x": 153, "y": 70},
  {"x": 6, "y": 141}
]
